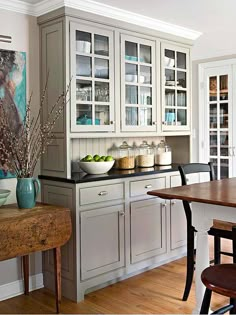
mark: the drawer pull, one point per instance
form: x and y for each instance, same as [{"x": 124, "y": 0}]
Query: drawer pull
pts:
[
  {"x": 148, "y": 186},
  {"x": 103, "y": 193},
  {"x": 173, "y": 202},
  {"x": 164, "y": 205},
  {"x": 122, "y": 213}
]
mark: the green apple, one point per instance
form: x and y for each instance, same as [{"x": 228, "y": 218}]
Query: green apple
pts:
[
  {"x": 100, "y": 160},
  {"x": 103, "y": 157},
  {"x": 96, "y": 157},
  {"x": 92, "y": 160},
  {"x": 88, "y": 158},
  {"x": 109, "y": 158}
]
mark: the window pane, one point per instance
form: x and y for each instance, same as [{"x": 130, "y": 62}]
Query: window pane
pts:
[
  {"x": 101, "y": 92},
  {"x": 131, "y": 51},
  {"x": 145, "y": 54},
  {"x": 169, "y": 58},
  {"x": 170, "y": 77},
  {"x": 131, "y": 94},
  {"x": 131, "y": 116},
  {"x": 145, "y": 95},
  {"x": 223, "y": 87},
  {"x": 145, "y": 118},
  {"x": 83, "y": 66},
  {"x": 131, "y": 73},
  {"x": 213, "y": 88},
  {"x": 83, "y": 42},
  {"x": 84, "y": 114},
  {"x": 145, "y": 75},
  {"x": 224, "y": 168},
  {"x": 102, "y": 115},
  {"x": 101, "y": 45},
  {"x": 224, "y": 115},
  {"x": 101, "y": 68},
  {"x": 181, "y": 117},
  {"x": 181, "y": 60},
  {"x": 214, "y": 161},
  {"x": 181, "y": 98},
  {"x": 213, "y": 143},
  {"x": 170, "y": 97},
  {"x": 213, "y": 116},
  {"x": 224, "y": 142},
  {"x": 181, "y": 79},
  {"x": 170, "y": 116},
  {"x": 83, "y": 90}
]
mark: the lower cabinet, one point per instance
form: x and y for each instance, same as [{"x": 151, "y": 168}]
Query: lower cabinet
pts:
[
  {"x": 102, "y": 240},
  {"x": 148, "y": 229},
  {"x": 178, "y": 225}
]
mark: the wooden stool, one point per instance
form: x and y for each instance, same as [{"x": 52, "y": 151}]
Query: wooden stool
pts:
[{"x": 222, "y": 280}]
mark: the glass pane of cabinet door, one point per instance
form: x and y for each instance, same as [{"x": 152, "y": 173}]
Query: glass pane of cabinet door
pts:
[
  {"x": 175, "y": 88},
  {"x": 219, "y": 126},
  {"x": 138, "y": 99},
  {"x": 92, "y": 72}
]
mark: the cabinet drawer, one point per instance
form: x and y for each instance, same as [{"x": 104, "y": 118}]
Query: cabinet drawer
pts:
[
  {"x": 175, "y": 180},
  {"x": 141, "y": 187},
  {"x": 102, "y": 193}
]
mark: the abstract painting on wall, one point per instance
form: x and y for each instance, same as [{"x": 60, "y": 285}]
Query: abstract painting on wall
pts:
[{"x": 12, "y": 93}]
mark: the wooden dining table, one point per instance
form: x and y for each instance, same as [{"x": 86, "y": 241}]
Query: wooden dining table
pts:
[{"x": 209, "y": 201}]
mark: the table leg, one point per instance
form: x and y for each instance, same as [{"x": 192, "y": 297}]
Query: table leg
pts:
[
  {"x": 202, "y": 262},
  {"x": 25, "y": 260},
  {"x": 57, "y": 268}
]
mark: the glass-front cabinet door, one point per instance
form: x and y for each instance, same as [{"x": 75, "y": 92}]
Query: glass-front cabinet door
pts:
[
  {"x": 92, "y": 86},
  {"x": 138, "y": 86},
  {"x": 175, "y": 88},
  {"x": 219, "y": 120}
]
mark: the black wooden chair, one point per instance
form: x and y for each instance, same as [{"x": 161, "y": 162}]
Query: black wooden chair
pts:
[
  {"x": 222, "y": 280},
  {"x": 184, "y": 170}
]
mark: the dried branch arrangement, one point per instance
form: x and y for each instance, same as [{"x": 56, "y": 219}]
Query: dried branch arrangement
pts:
[{"x": 22, "y": 146}]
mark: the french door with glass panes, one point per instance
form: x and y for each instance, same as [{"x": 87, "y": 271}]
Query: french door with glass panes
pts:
[
  {"x": 92, "y": 71},
  {"x": 138, "y": 84},
  {"x": 217, "y": 145}
]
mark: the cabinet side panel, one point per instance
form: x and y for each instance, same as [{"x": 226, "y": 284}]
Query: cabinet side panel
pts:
[
  {"x": 64, "y": 197},
  {"x": 52, "y": 72}
]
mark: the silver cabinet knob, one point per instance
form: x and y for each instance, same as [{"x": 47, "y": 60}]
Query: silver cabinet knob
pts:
[
  {"x": 173, "y": 202},
  {"x": 148, "y": 186},
  {"x": 164, "y": 205},
  {"x": 102, "y": 193},
  {"x": 122, "y": 213}
]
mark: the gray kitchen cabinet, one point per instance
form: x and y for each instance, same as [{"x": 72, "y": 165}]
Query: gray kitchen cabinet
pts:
[
  {"x": 116, "y": 232},
  {"x": 147, "y": 229},
  {"x": 102, "y": 240}
]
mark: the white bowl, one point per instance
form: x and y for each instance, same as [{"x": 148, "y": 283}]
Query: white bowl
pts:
[
  {"x": 4, "y": 193},
  {"x": 95, "y": 168}
]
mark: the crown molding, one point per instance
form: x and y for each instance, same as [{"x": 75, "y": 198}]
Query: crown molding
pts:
[
  {"x": 17, "y": 6},
  {"x": 91, "y": 6}
]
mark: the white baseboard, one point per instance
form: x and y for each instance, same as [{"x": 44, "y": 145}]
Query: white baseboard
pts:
[{"x": 15, "y": 288}]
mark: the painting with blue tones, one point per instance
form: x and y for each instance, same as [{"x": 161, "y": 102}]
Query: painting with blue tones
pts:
[{"x": 12, "y": 92}]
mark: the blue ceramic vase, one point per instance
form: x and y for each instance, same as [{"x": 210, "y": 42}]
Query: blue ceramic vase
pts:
[{"x": 27, "y": 190}]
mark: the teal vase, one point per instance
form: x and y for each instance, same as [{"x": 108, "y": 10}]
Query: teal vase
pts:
[{"x": 27, "y": 190}]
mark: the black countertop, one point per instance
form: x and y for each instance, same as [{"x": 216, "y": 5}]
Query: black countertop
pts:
[{"x": 82, "y": 177}]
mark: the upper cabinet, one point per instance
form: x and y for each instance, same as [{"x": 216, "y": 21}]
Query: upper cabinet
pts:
[
  {"x": 92, "y": 86},
  {"x": 175, "y": 88},
  {"x": 138, "y": 84}
]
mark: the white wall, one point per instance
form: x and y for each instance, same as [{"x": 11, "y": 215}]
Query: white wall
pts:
[{"x": 25, "y": 37}]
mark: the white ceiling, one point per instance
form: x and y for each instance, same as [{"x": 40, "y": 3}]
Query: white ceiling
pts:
[{"x": 216, "y": 19}]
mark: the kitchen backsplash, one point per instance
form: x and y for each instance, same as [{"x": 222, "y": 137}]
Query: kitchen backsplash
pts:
[{"x": 104, "y": 146}]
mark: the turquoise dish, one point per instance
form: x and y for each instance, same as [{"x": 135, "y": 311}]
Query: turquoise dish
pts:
[{"x": 4, "y": 193}]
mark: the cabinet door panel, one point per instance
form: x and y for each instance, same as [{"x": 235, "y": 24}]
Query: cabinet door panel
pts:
[
  {"x": 148, "y": 232},
  {"x": 175, "y": 88},
  {"x": 102, "y": 240},
  {"x": 92, "y": 71},
  {"x": 178, "y": 225}
]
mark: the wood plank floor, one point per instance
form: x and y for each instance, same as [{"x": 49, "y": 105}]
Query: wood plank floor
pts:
[{"x": 157, "y": 291}]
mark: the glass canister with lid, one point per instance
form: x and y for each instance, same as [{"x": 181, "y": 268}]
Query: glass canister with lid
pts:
[
  {"x": 145, "y": 155},
  {"x": 163, "y": 154},
  {"x": 124, "y": 157}
]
